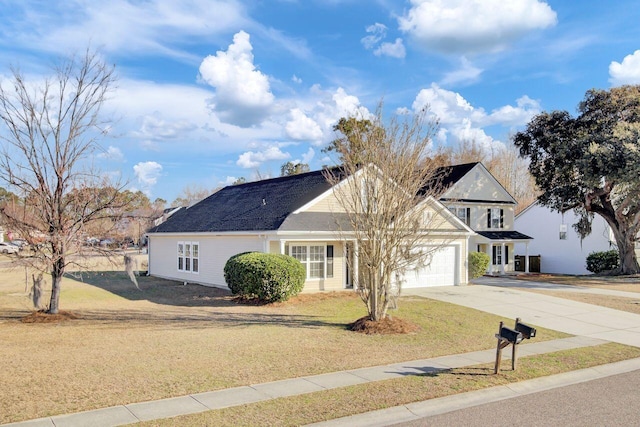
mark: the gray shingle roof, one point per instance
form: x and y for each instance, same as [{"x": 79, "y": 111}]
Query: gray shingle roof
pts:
[
  {"x": 254, "y": 206},
  {"x": 504, "y": 235}
]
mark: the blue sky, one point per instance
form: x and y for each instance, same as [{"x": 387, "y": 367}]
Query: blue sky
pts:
[{"x": 210, "y": 91}]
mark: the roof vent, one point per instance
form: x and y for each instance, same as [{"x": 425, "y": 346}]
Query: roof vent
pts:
[{"x": 264, "y": 202}]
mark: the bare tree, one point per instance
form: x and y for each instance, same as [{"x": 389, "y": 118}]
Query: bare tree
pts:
[
  {"x": 512, "y": 171},
  {"x": 50, "y": 130},
  {"x": 292, "y": 168},
  {"x": 385, "y": 204},
  {"x": 505, "y": 164},
  {"x": 192, "y": 194}
]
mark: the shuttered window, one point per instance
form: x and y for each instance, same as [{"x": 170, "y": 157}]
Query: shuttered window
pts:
[{"x": 495, "y": 218}]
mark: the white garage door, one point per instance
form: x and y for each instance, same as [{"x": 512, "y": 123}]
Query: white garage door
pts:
[{"x": 440, "y": 272}]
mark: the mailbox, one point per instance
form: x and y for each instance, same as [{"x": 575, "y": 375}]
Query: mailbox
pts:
[
  {"x": 526, "y": 330},
  {"x": 511, "y": 335}
]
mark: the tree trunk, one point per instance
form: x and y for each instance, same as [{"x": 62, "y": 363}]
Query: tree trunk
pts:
[
  {"x": 55, "y": 293},
  {"x": 56, "y": 281},
  {"x": 627, "y": 253}
]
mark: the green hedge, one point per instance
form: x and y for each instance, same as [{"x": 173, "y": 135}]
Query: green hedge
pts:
[
  {"x": 267, "y": 277},
  {"x": 478, "y": 264},
  {"x": 597, "y": 262}
]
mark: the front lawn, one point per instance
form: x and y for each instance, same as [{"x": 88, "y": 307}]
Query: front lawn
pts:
[{"x": 170, "y": 340}]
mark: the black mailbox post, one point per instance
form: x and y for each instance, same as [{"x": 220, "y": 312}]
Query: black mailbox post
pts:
[{"x": 507, "y": 336}]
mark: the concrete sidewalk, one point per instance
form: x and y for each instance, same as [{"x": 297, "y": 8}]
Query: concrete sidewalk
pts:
[{"x": 191, "y": 404}]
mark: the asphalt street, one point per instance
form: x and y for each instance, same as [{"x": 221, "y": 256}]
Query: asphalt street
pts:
[{"x": 610, "y": 401}]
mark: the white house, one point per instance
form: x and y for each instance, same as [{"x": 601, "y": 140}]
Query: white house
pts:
[
  {"x": 558, "y": 244},
  {"x": 473, "y": 194},
  {"x": 297, "y": 215}
]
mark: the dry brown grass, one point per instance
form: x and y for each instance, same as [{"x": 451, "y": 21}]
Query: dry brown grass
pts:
[
  {"x": 342, "y": 402},
  {"x": 618, "y": 283},
  {"x": 131, "y": 345},
  {"x": 632, "y": 305}
]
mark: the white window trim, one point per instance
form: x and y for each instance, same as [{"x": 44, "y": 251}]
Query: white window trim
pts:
[
  {"x": 184, "y": 256},
  {"x": 495, "y": 216},
  {"x": 307, "y": 262}
]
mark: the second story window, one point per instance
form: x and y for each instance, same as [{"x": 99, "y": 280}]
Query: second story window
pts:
[
  {"x": 495, "y": 218},
  {"x": 463, "y": 213}
]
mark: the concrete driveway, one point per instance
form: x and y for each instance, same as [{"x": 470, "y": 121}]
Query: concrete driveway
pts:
[{"x": 496, "y": 295}]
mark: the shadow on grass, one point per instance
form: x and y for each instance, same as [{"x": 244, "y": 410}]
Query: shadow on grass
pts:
[
  {"x": 184, "y": 306},
  {"x": 156, "y": 290}
]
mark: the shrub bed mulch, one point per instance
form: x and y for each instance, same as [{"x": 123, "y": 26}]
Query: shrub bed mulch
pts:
[
  {"x": 43, "y": 316},
  {"x": 386, "y": 326}
]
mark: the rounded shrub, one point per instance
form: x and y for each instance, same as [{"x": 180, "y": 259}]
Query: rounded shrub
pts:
[
  {"x": 597, "y": 262},
  {"x": 266, "y": 277},
  {"x": 478, "y": 264}
]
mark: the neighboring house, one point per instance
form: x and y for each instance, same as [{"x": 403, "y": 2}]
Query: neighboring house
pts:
[
  {"x": 166, "y": 213},
  {"x": 559, "y": 245},
  {"x": 297, "y": 215},
  {"x": 473, "y": 194}
]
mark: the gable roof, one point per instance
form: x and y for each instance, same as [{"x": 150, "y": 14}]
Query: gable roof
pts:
[
  {"x": 254, "y": 206},
  {"x": 445, "y": 176},
  {"x": 449, "y": 175}
]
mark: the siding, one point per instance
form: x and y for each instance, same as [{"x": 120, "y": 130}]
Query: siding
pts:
[
  {"x": 478, "y": 184},
  {"x": 328, "y": 203},
  {"x": 335, "y": 283},
  {"x": 214, "y": 253}
]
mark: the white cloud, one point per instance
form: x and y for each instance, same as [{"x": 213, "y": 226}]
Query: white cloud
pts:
[
  {"x": 308, "y": 156},
  {"x": 627, "y": 72},
  {"x": 154, "y": 127},
  {"x": 467, "y": 73},
  {"x": 302, "y": 128},
  {"x": 471, "y": 26},
  {"x": 395, "y": 50},
  {"x": 509, "y": 115},
  {"x": 122, "y": 26},
  {"x": 229, "y": 180},
  {"x": 377, "y": 32},
  {"x": 321, "y": 111},
  {"x": 147, "y": 174},
  {"x": 462, "y": 121},
  {"x": 112, "y": 153},
  {"x": 243, "y": 95},
  {"x": 448, "y": 106},
  {"x": 252, "y": 159}
]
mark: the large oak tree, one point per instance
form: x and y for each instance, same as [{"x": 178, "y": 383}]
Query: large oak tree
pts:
[{"x": 591, "y": 164}]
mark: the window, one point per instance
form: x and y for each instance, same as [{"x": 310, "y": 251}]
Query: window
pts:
[
  {"x": 188, "y": 256},
  {"x": 463, "y": 213},
  {"x": 317, "y": 259},
  {"x": 563, "y": 231},
  {"x": 180, "y": 256},
  {"x": 495, "y": 218},
  {"x": 497, "y": 255}
]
